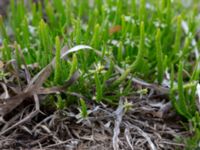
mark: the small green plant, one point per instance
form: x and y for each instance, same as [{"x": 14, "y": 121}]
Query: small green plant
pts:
[
  {"x": 3, "y": 29},
  {"x": 178, "y": 35},
  {"x": 127, "y": 106},
  {"x": 84, "y": 112},
  {"x": 45, "y": 44},
  {"x": 74, "y": 65},
  {"x": 60, "y": 104},
  {"x": 185, "y": 104},
  {"x": 58, "y": 72},
  {"x": 138, "y": 61},
  {"x": 193, "y": 143},
  {"x": 159, "y": 57}
]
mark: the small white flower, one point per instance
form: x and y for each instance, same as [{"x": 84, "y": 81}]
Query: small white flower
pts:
[
  {"x": 31, "y": 29},
  {"x": 115, "y": 42},
  {"x": 198, "y": 94},
  {"x": 198, "y": 91},
  {"x": 185, "y": 26},
  {"x": 99, "y": 67}
]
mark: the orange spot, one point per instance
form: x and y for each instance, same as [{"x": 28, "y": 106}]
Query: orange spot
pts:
[
  {"x": 1, "y": 64},
  {"x": 114, "y": 29}
]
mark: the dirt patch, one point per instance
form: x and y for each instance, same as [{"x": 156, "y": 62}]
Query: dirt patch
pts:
[{"x": 104, "y": 128}]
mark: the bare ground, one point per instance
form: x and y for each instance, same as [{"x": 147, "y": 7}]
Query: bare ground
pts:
[{"x": 141, "y": 127}]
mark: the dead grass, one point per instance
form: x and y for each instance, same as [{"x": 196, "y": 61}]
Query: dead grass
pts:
[{"x": 105, "y": 128}]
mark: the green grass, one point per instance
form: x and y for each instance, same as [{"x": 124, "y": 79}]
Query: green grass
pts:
[{"x": 146, "y": 38}]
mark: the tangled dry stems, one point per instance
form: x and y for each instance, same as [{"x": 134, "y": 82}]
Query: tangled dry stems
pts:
[{"x": 105, "y": 128}]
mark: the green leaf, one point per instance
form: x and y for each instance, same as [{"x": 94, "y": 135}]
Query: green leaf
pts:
[
  {"x": 74, "y": 65},
  {"x": 84, "y": 112},
  {"x": 178, "y": 35},
  {"x": 58, "y": 72},
  {"x": 3, "y": 29},
  {"x": 159, "y": 57}
]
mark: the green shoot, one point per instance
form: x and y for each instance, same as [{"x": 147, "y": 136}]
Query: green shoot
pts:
[
  {"x": 58, "y": 72},
  {"x": 159, "y": 57},
  {"x": 3, "y": 32},
  {"x": 84, "y": 112}
]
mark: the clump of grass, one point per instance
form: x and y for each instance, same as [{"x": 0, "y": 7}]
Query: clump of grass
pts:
[
  {"x": 83, "y": 109},
  {"x": 144, "y": 41},
  {"x": 45, "y": 44}
]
